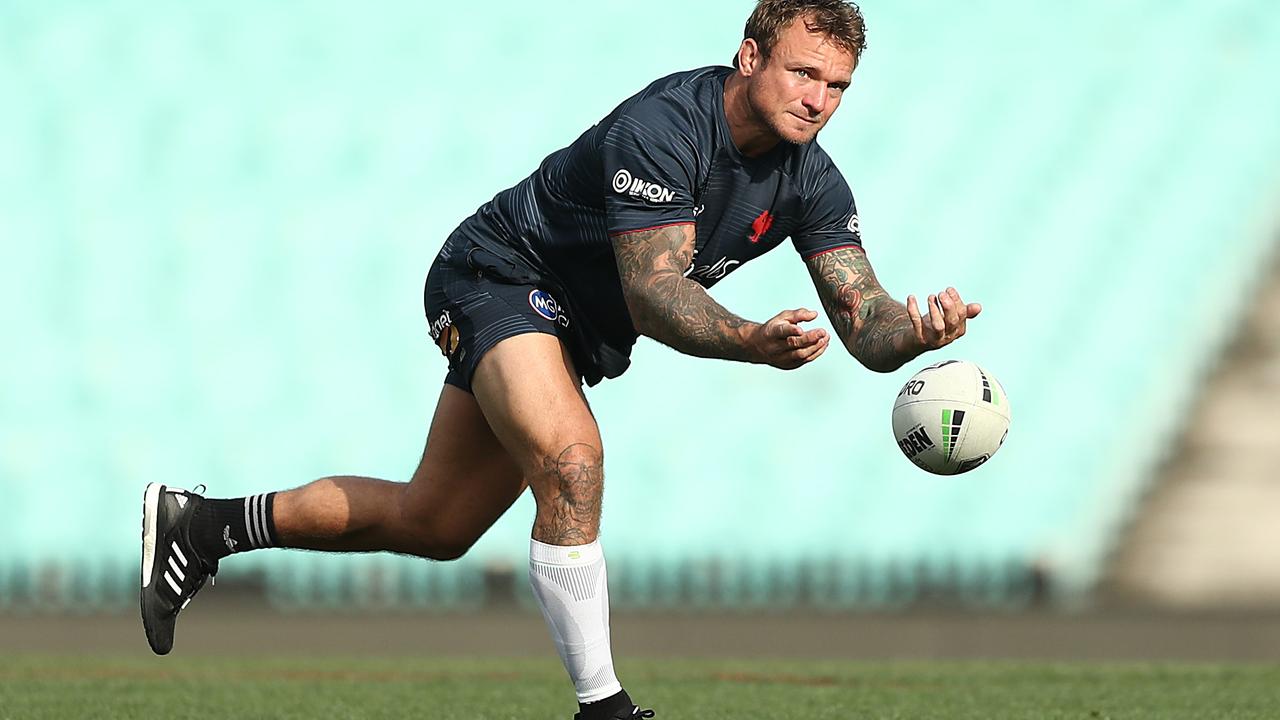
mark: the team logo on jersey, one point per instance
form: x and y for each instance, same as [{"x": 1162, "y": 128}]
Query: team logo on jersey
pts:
[
  {"x": 624, "y": 183},
  {"x": 547, "y": 307},
  {"x": 445, "y": 334},
  {"x": 853, "y": 225},
  {"x": 760, "y": 226}
]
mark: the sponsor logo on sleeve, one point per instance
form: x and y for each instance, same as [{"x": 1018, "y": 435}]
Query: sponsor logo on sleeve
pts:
[
  {"x": 853, "y": 225},
  {"x": 624, "y": 183}
]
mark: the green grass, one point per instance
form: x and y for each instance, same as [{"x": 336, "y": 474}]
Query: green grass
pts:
[{"x": 358, "y": 688}]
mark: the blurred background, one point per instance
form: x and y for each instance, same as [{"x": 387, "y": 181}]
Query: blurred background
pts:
[{"x": 216, "y": 218}]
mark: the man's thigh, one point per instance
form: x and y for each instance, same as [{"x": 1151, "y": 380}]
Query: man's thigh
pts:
[
  {"x": 511, "y": 371},
  {"x": 532, "y": 398},
  {"x": 529, "y": 393},
  {"x": 527, "y": 421}
]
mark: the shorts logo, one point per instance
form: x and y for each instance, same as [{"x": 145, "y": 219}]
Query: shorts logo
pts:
[
  {"x": 547, "y": 307},
  {"x": 625, "y": 184},
  {"x": 445, "y": 334}
]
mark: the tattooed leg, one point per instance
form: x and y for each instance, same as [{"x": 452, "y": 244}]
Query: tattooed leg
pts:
[
  {"x": 568, "y": 490},
  {"x": 530, "y": 395}
]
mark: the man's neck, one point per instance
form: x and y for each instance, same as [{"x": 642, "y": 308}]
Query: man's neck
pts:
[{"x": 752, "y": 136}]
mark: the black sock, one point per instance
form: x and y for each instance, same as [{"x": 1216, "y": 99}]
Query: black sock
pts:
[
  {"x": 605, "y": 709},
  {"x": 222, "y": 527}
]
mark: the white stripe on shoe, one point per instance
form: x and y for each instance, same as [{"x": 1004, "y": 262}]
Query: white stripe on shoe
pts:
[
  {"x": 169, "y": 579},
  {"x": 178, "y": 551},
  {"x": 177, "y": 570}
]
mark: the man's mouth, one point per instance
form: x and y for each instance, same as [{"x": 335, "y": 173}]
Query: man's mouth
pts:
[{"x": 811, "y": 121}]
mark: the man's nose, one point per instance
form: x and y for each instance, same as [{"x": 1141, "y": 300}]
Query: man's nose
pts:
[{"x": 815, "y": 98}]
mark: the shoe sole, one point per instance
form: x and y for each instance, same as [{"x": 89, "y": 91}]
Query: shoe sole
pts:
[
  {"x": 150, "y": 508},
  {"x": 150, "y": 520}
]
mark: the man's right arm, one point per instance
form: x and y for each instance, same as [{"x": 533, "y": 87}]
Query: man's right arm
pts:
[
  {"x": 671, "y": 308},
  {"x": 676, "y": 311}
]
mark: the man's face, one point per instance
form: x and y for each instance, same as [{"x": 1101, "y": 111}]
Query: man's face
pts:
[{"x": 797, "y": 89}]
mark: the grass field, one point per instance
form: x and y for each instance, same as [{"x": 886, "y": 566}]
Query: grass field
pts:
[{"x": 330, "y": 687}]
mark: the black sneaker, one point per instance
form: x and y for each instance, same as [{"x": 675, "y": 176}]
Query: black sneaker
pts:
[
  {"x": 630, "y": 713},
  {"x": 172, "y": 571}
]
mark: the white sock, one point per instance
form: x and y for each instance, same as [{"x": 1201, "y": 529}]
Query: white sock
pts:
[{"x": 572, "y": 589}]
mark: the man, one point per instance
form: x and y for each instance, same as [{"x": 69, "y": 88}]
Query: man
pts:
[{"x": 549, "y": 284}]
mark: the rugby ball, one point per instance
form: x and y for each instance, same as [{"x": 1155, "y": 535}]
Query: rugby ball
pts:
[{"x": 951, "y": 417}]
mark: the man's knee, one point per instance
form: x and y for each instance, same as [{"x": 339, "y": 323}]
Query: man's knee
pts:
[
  {"x": 446, "y": 550},
  {"x": 574, "y": 476},
  {"x": 568, "y": 488},
  {"x": 434, "y": 546},
  {"x": 428, "y": 535}
]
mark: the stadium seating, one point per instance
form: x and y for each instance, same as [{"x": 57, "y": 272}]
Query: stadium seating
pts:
[{"x": 216, "y": 219}]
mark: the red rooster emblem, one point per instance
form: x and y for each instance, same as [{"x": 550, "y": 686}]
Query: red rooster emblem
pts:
[{"x": 760, "y": 226}]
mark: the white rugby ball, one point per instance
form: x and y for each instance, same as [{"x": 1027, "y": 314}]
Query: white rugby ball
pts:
[{"x": 951, "y": 417}]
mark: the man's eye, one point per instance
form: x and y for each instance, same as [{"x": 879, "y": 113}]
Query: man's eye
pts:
[{"x": 802, "y": 73}]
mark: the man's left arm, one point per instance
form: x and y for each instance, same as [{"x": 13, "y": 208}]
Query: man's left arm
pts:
[{"x": 882, "y": 333}]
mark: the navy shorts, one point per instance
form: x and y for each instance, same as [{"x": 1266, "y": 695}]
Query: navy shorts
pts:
[{"x": 470, "y": 311}]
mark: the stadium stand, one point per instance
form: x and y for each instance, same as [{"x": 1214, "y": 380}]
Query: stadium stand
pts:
[{"x": 216, "y": 219}]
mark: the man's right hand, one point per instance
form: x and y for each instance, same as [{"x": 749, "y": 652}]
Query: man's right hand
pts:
[{"x": 782, "y": 343}]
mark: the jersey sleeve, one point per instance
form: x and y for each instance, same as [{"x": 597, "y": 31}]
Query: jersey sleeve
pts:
[
  {"x": 830, "y": 217},
  {"x": 648, "y": 174}
]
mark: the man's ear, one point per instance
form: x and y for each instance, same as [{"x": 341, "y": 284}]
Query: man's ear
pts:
[{"x": 749, "y": 58}]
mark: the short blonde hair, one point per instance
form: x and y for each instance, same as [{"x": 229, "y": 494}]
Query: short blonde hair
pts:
[{"x": 839, "y": 20}]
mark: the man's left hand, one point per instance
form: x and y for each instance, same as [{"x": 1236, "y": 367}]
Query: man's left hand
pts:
[{"x": 945, "y": 321}]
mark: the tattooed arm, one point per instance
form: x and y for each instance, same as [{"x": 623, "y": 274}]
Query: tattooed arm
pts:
[
  {"x": 874, "y": 327},
  {"x": 676, "y": 311},
  {"x": 667, "y": 306},
  {"x": 879, "y": 331}
]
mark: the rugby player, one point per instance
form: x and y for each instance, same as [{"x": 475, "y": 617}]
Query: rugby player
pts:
[{"x": 548, "y": 285}]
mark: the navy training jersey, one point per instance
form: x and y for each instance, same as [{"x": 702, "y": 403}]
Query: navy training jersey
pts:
[{"x": 663, "y": 157}]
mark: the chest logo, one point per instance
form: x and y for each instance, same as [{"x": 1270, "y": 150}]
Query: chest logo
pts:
[
  {"x": 760, "y": 226},
  {"x": 714, "y": 271}
]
